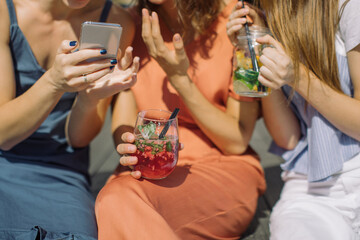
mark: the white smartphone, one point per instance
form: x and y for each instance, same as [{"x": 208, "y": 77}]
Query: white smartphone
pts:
[{"x": 101, "y": 36}]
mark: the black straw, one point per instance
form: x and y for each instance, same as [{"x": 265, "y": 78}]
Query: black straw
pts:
[
  {"x": 166, "y": 128},
  {"x": 251, "y": 49}
]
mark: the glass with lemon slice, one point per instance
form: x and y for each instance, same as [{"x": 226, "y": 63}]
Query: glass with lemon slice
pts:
[{"x": 245, "y": 79}]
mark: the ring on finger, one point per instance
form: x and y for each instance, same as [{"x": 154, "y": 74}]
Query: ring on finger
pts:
[{"x": 85, "y": 78}]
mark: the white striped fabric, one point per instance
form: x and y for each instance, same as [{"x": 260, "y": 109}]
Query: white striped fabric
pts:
[{"x": 323, "y": 149}]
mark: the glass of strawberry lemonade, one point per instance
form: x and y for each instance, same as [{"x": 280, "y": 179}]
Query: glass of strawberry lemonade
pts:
[{"x": 157, "y": 152}]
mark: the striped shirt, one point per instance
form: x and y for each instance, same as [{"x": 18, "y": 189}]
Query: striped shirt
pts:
[{"x": 323, "y": 148}]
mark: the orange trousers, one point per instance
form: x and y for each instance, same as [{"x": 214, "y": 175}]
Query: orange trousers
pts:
[{"x": 199, "y": 200}]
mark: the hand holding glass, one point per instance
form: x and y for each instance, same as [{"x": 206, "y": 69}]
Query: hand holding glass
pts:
[
  {"x": 157, "y": 157},
  {"x": 245, "y": 76}
]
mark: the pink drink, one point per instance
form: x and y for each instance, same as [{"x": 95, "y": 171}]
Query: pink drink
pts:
[{"x": 156, "y": 158}]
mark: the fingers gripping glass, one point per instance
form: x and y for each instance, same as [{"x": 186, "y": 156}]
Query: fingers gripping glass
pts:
[{"x": 157, "y": 142}]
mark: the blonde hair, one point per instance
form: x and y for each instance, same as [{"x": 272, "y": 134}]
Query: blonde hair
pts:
[{"x": 307, "y": 30}]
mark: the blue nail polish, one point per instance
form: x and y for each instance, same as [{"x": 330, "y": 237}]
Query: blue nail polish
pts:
[
  {"x": 113, "y": 61},
  {"x": 103, "y": 51},
  {"x": 112, "y": 67},
  {"x": 72, "y": 43}
]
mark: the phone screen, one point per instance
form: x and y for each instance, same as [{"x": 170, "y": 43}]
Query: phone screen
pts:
[{"x": 101, "y": 36}]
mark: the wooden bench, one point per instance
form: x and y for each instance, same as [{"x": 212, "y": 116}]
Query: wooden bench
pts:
[{"x": 104, "y": 159}]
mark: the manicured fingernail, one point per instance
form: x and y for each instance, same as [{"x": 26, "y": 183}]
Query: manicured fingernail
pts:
[
  {"x": 130, "y": 138},
  {"x": 113, "y": 61},
  {"x": 112, "y": 67},
  {"x": 132, "y": 160},
  {"x": 134, "y": 76},
  {"x": 72, "y": 43},
  {"x": 177, "y": 37},
  {"x": 103, "y": 51},
  {"x": 132, "y": 148}
]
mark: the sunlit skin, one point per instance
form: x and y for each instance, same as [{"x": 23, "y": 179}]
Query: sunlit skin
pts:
[
  {"x": 49, "y": 26},
  {"x": 76, "y": 4},
  {"x": 159, "y": 1},
  {"x": 233, "y": 139},
  {"x": 278, "y": 70}
]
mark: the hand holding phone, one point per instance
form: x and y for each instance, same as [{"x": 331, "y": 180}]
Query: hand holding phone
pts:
[{"x": 122, "y": 76}]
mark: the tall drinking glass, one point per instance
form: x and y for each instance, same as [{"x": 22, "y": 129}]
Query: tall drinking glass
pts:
[
  {"x": 157, "y": 157},
  {"x": 247, "y": 50}
]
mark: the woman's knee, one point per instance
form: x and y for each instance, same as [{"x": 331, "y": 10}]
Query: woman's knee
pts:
[
  {"x": 307, "y": 220},
  {"x": 120, "y": 190}
]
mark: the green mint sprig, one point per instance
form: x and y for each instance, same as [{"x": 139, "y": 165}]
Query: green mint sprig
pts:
[
  {"x": 155, "y": 147},
  {"x": 147, "y": 130}
]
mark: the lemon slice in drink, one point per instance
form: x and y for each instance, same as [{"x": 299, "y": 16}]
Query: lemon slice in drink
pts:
[{"x": 240, "y": 87}]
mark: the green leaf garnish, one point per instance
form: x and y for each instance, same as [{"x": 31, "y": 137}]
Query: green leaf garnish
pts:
[
  {"x": 147, "y": 130},
  {"x": 248, "y": 79},
  {"x": 168, "y": 146}
]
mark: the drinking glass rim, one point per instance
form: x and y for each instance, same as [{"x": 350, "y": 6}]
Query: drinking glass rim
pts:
[
  {"x": 255, "y": 32},
  {"x": 142, "y": 113}
]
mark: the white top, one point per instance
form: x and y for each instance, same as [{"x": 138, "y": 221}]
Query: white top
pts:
[{"x": 323, "y": 148}]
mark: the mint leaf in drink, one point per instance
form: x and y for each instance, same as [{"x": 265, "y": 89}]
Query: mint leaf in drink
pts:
[
  {"x": 147, "y": 130},
  {"x": 168, "y": 147}
]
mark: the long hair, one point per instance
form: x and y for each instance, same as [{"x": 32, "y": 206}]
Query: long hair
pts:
[
  {"x": 195, "y": 16},
  {"x": 307, "y": 31}
]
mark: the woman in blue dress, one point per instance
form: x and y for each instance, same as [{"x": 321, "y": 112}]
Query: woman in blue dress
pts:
[{"x": 44, "y": 183}]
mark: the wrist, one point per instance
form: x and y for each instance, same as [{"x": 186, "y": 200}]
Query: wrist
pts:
[
  {"x": 301, "y": 86},
  {"x": 50, "y": 85},
  {"x": 180, "y": 82},
  {"x": 52, "y": 79},
  {"x": 84, "y": 103}
]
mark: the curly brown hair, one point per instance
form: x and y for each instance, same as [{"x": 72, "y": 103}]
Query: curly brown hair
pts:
[{"x": 194, "y": 15}]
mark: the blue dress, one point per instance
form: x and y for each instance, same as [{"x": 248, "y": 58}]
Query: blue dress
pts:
[{"x": 44, "y": 183}]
